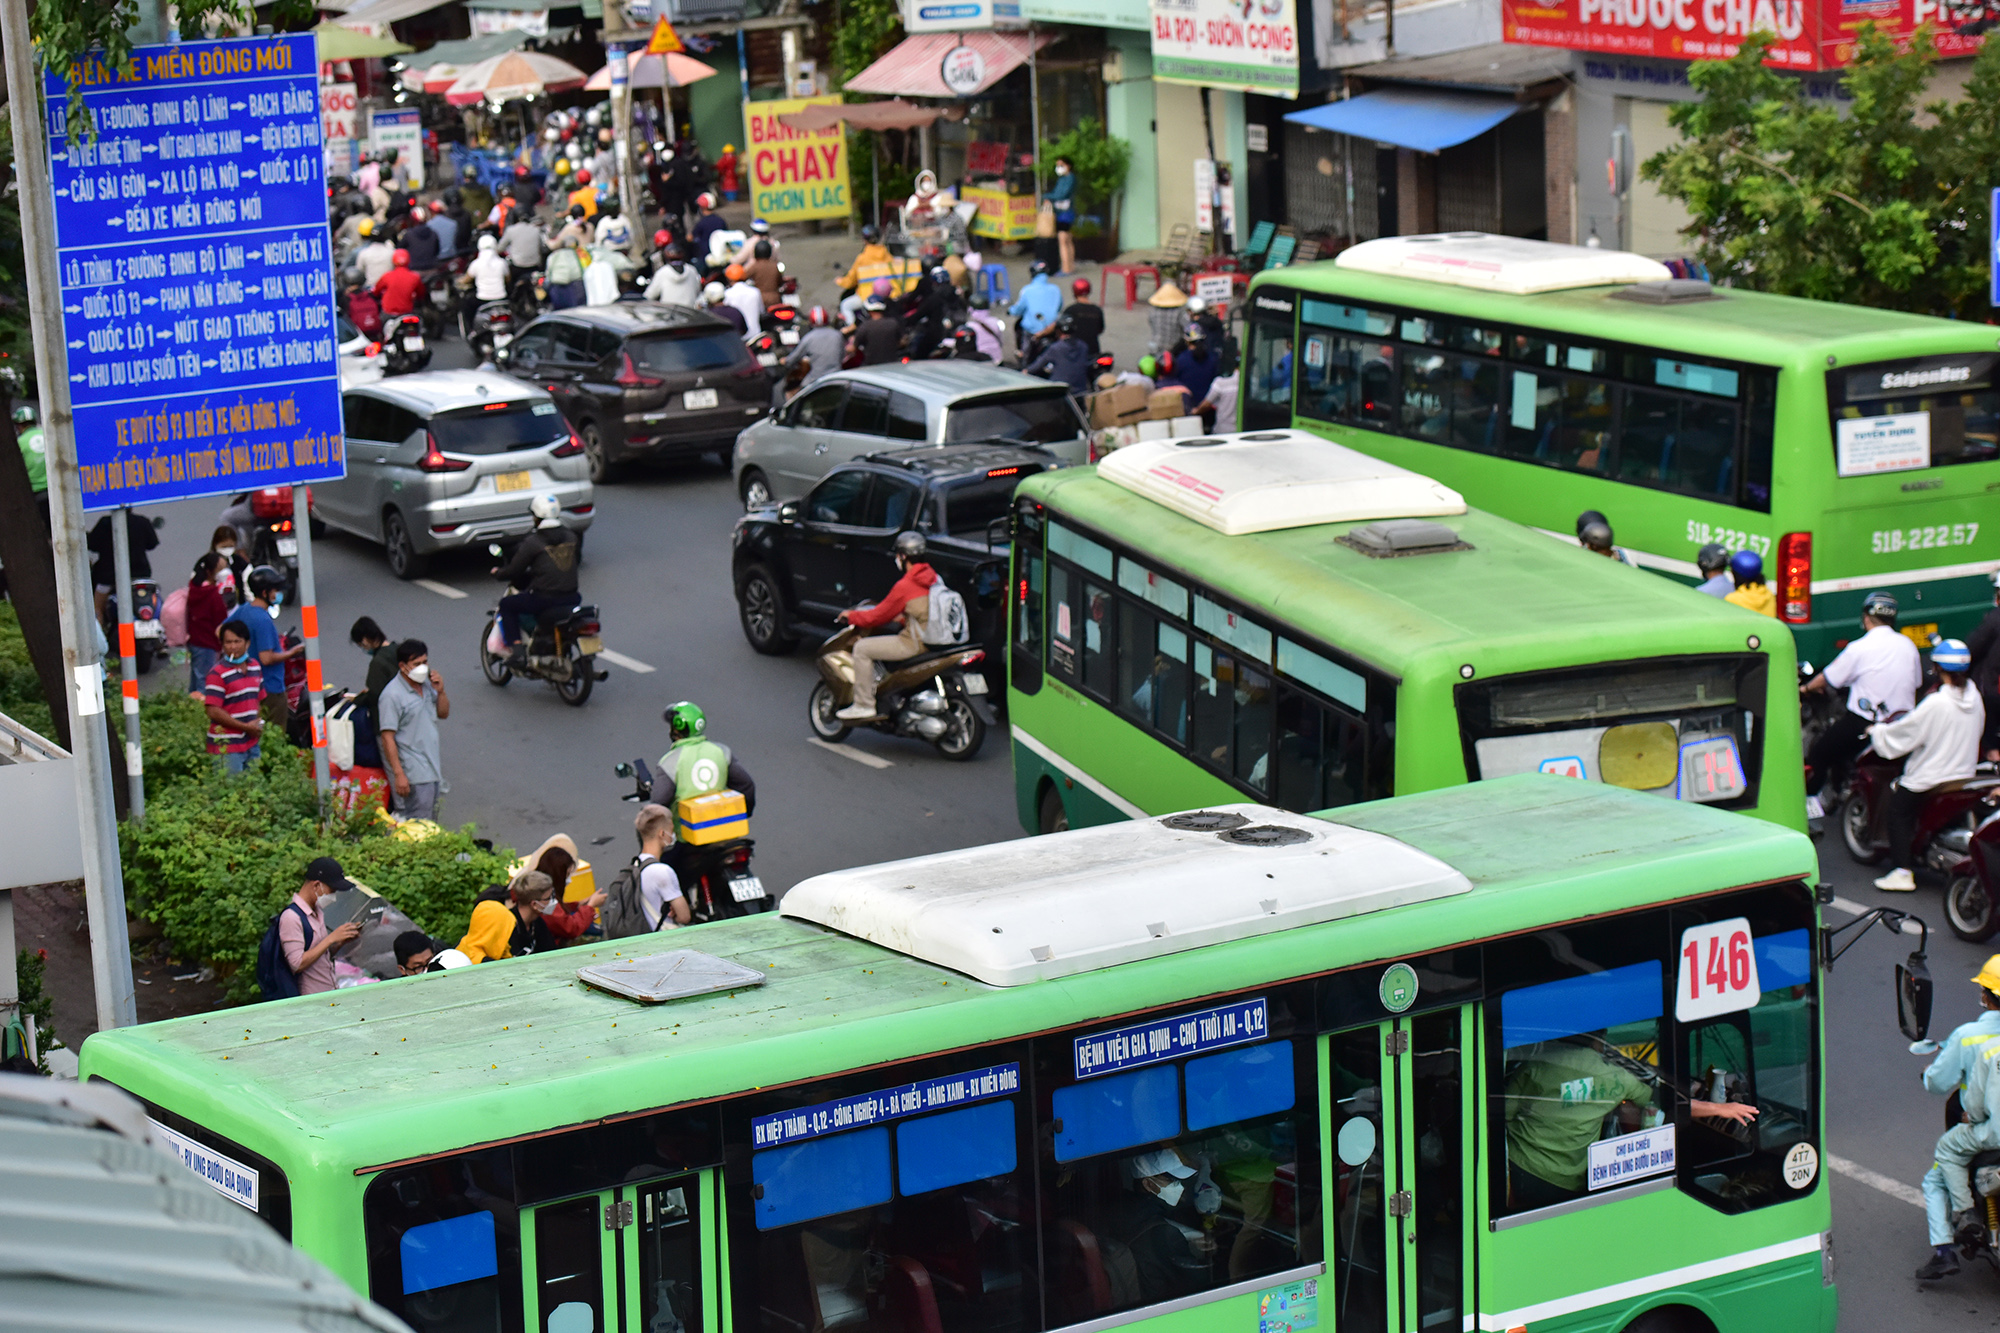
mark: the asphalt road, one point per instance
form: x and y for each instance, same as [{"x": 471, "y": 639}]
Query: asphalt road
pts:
[{"x": 523, "y": 765}]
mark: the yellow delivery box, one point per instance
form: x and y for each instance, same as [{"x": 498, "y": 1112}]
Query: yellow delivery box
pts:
[{"x": 716, "y": 817}]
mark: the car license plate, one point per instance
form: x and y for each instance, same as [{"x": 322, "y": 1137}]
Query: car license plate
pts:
[
  {"x": 696, "y": 399},
  {"x": 975, "y": 684},
  {"x": 590, "y": 645},
  {"x": 789, "y": 337},
  {"x": 767, "y": 359},
  {"x": 512, "y": 481},
  {"x": 148, "y": 629},
  {"x": 746, "y": 889},
  {"x": 502, "y": 339},
  {"x": 288, "y": 546}
]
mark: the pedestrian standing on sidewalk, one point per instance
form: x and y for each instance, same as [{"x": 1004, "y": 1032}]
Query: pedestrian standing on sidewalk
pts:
[
  {"x": 205, "y": 611},
  {"x": 410, "y": 708},
  {"x": 231, "y": 695}
]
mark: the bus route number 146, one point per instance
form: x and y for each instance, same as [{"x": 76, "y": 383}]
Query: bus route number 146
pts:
[
  {"x": 1718, "y": 966},
  {"x": 1923, "y": 539}
]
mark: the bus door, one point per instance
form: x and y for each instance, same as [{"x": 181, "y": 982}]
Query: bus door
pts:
[
  {"x": 1401, "y": 1167},
  {"x": 633, "y": 1259}
]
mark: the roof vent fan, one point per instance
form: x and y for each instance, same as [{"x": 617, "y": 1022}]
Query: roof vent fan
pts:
[
  {"x": 1402, "y": 536},
  {"x": 1673, "y": 291},
  {"x": 1204, "y": 821},
  {"x": 1265, "y": 835}
]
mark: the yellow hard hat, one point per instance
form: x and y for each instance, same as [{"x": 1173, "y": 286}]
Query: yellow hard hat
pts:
[
  {"x": 729, "y": 148},
  {"x": 367, "y": 227},
  {"x": 1989, "y": 975}
]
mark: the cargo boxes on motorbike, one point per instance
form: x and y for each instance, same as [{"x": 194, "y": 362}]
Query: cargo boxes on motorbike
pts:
[
  {"x": 1166, "y": 404},
  {"x": 1120, "y": 405},
  {"x": 715, "y": 817}
]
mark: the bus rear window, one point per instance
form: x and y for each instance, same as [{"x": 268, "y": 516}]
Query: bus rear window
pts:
[
  {"x": 1686, "y": 728},
  {"x": 519, "y": 426},
  {"x": 1034, "y": 417},
  {"x": 1923, "y": 412}
]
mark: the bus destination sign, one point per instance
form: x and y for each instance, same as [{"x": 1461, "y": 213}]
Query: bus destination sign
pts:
[
  {"x": 1171, "y": 1038},
  {"x": 876, "y": 1108}
]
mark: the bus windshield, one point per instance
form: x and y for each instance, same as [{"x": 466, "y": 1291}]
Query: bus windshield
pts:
[{"x": 1924, "y": 412}]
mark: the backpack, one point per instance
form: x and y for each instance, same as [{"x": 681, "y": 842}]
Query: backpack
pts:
[
  {"x": 947, "y": 623},
  {"x": 624, "y": 909},
  {"x": 274, "y": 975}
]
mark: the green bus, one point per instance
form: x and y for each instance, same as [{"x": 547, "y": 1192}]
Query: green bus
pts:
[
  {"x": 1167, "y": 1074},
  {"x": 1277, "y": 618},
  {"x": 1853, "y": 449}
]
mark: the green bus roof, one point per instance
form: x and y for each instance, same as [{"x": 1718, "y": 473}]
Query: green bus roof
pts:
[
  {"x": 1753, "y": 327},
  {"x": 399, "y": 1069},
  {"x": 1518, "y": 600}
]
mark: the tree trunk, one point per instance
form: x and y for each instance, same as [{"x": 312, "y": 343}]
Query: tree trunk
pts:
[{"x": 31, "y": 574}]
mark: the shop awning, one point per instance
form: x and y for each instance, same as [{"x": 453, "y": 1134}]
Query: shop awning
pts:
[
  {"x": 381, "y": 13},
  {"x": 910, "y": 69},
  {"x": 1425, "y": 119},
  {"x": 894, "y": 114},
  {"x": 469, "y": 51}
]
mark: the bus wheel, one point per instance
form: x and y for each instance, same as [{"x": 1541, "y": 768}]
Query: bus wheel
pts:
[
  {"x": 1969, "y": 909},
  {"x": 1671, "y": 1319},
  {"x": 1049, "y": 812}
]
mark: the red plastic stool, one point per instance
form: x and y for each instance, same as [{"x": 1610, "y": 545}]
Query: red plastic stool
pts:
[{"x": 1131, "y": 273}]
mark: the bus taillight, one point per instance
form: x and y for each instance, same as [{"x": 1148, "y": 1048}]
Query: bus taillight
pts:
[{"x": 1795, "y": 578}]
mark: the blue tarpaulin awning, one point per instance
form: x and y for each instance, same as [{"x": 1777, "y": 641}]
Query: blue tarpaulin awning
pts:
[{"x": 1425, "y": 119}]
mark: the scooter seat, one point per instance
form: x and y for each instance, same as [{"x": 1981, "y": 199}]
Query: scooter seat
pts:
[{"x": 945, "y": 650}]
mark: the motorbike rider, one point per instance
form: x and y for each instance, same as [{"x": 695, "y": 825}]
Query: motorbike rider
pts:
[
  {"x": 1970, "y": 1063},
  {"x": 1713, "y": 562},
  {"x": 822, "y": 348},
  {"x": 1941, "y": 737},
  {"x": 695, "y": 765},
  {"x": 420, "y": 241},
  {"x": 1746, "y": 570},
  {"x": 744, "y": 296},
  {"x": 1880, "y": 672},
  {"x": 1067, "y": 360},
  {"x": 880, "y": 336},
  {"x": 873, "y": 254},
  {"x": 547, "y": 560},
  {"x": 525, "y": 247},
  {"x": 763, "y": 273},
  {"x": 489, "y": 272},
  {"x": 1087, "y": 315},
  {"x": 706, "y": 224},
  {"x": 675, "y": 282},
  {"x": 613, "y": 229},
  {"x": 376, "y": 256},
  {"x": 445, "y": 227},
  {"x": 1036, "y": 308},
  {"x": 399, "y": 288},
  {"x": 910, "y": 599}
]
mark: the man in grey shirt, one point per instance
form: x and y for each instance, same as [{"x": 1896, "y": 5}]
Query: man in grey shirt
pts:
[
  {"x": 524, "y": 245},
  {"x": 407, "y": 713},
  {"x": 822, "y": 347}
]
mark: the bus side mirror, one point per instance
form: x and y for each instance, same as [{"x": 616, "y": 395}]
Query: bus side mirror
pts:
[{"x": 1913, "y": 997}]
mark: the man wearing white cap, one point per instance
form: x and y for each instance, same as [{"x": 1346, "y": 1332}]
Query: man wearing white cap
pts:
[{"x": 1162, "y": 1227}]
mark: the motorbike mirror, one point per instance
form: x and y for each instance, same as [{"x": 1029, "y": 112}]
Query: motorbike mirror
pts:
[
  {"x": 493, "y": 548},
  {"x": 1913, "y": 997},
  {"x": 623, "y": 770}
]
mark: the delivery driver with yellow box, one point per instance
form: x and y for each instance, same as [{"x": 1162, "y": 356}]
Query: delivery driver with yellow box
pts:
[{"x": 712, "y": 796}]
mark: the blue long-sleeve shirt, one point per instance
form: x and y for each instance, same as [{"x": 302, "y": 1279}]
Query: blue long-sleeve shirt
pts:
[
  {"x": 1955, "y": 1056},
  {"x": 1038, "y": 304},
  {"x": 1063, "y": 193}
]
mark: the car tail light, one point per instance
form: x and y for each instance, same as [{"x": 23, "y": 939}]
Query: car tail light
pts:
[
  {"x": 442, "y": 528},
  {"x": 628, "y": 375},
  {"x": 435, "y": 461},
  {"x": 1795, "y": 578},
  {"x": 570, "y": 448},
  {"x": 582, "y": 509}
]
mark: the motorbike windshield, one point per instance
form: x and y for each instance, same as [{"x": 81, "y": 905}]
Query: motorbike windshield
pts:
[
  {"x": 500, "y": 428},
  {"x": 1033, "y": 416},
  {"x": 688, "y": 354}
]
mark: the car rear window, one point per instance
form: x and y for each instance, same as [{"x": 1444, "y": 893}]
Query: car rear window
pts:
[
  {"x": 499, "y": 428},
  {"x": 1036, "y": 416},
  {"x": 970, "y": 505},
  {"x": 684, "y": 355}
]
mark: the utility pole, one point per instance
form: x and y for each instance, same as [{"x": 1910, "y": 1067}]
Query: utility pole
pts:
[
  {"x": 619, "y": 62},
  {"x": 309, "y": 627},
  {"x": 103, "y": 879},
  {"x": 128, "y": 663}
]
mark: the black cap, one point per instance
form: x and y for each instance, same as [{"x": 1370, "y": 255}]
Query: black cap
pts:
[{"x": 328, "y": 872}]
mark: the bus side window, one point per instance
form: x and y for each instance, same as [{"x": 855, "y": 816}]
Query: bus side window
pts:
[
  {"x": 1267, "y": 397},
  {"x": 444, "y": 1245},
  {"x": 1063, "y": 615}
]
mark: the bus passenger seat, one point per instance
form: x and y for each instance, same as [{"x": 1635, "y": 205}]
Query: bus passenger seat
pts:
[
  {"x": 1081, "y": 1287},
  {"x": 911, "y": 1298}
]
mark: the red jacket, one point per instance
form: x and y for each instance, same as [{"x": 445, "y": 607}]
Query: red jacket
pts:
[
  {"x": 399, "y": 289},
  {"x": 915, "y": 583},
  {"x": 205, "y": 614},
  {"x": 570, "y": 920}
]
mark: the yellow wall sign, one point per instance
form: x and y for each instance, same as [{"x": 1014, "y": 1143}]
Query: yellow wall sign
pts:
[
  {"x": 795, "y": 176},
  {"x": 1002, "y": 216}
]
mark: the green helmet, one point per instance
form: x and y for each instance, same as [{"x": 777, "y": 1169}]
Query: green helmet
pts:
[{"x": 685, "y": 719}]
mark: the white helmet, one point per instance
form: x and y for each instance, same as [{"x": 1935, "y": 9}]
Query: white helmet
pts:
[
  {"x": 448, "y": 960},
  {"x": 1195, "y": 305},
  {"x": 486, "y": 242},
  {"x": 712, "y": 293},
  {"x": 547, "y": 511}
]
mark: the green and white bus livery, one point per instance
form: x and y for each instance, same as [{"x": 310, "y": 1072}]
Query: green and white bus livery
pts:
[
  {"x": 1433, "y": 1063},
  {"x": 1278, "y": 618},
  {"x": 1853, "y": 449}
]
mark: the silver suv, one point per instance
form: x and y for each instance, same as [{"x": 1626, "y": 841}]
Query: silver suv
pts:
[
  {"x": 895, "y": 406},
  {"x": 450, "y": 458}
]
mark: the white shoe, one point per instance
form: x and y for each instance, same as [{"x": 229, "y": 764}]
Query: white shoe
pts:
[
  {"x": 1897, "y": 881},
  {"x": 856, "y": 713}
]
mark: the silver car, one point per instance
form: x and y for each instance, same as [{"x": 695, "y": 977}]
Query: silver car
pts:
[
  {"x": 449, "y": 458},
  {"x": 895, "y": 406}
]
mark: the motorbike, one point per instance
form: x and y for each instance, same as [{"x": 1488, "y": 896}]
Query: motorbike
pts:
[
  {"x": 561, "y": 650},
  {"x": 932, "y": 697},
  {"x": 1972, "y": 886},
  {"x": 783, "y": 320},
  {"x": 764, "y": 347},
  {"x": 1944, "y": 826},
  {"x": 488, "y": 328},
  {"x": 149, "y": 636},
  {"x": 439, "y": 299},
  {"x": 1983, "y": 1241},
  {"x": 271, "y": 538},
  {"x": 715, "y": 877},
  {"x": 403, "y": 347}
]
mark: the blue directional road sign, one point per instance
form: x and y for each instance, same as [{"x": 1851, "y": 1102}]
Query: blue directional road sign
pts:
[{"x": 197, "y": 283}]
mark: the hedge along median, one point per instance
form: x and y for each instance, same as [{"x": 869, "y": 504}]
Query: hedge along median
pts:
[{"x": 217, "y": 857}]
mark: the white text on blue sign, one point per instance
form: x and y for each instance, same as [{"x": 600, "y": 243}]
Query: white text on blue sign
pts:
[
  {"x": 874, "y": 1108},
  {"x": 1171, "y": 1038}
]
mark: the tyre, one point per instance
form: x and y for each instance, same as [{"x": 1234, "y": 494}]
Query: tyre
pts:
[
  {"x": 582, "y": 675},
  {"x": 404, "y": 562},
  {"x": 1050, "y": 815},
  {"x": 754, "y": 490},
  {"x": 1855, "y": 819},
  {"x": 602, "y": 470},
  {"x": 142, "y": 656},
  {"x": 820, "y": 709},
  {"x": 762, "y": 611},
  {"x": 1968, "y": 908},
  {"x": 495, "y": 669},
  {"x": 965, "y": 735}
]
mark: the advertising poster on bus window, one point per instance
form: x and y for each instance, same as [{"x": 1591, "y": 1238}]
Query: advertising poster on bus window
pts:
[
  {"x": 1248, "y": 45},
  {"x": 795, "y": 176},
  {"x": 1812, "y": 34}
]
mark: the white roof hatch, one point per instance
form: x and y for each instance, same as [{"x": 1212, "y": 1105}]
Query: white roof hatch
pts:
[
  {"x": 1499, "y": 263},
  {"x": 1261, "y": 481},
  {"x": 1055, "y": 906}
]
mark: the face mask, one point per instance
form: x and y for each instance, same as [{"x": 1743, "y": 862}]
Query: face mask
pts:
[
  {"x": 420, "y": 672},
  {"x": 237, "y": 660},
  {"x": 1062, "y": 170},
  {"x": 1170, "y": 1194},
  {"x": 546, "y": 906},
  {"x": 226, "y": 552}
]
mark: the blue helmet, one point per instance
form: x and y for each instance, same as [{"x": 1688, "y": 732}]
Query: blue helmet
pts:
[
  {"x": 1951, "y": 655},
  {"x": 1747, "y": 567}
]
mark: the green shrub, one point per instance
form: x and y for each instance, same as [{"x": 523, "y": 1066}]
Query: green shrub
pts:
[
  {"x": 217, "y": 857},
  {"x": 30, "y": 966}
]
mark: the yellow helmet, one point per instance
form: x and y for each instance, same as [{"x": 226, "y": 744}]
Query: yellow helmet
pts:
[
  {"x": 1989, "y": 975},
  {"x": 367, "y": 227},
  {"x": 729, "y": 148},
  {"x": 561, "y": 167}
]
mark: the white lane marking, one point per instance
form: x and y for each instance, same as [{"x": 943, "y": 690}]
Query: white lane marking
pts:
[
  {"x": 629, "y": 663},
  {"x": 846, "y": 752},
  {"x": 441, "y": 589},
  {"x": 1889, "y": 1185},
  {"x": 1853, "y": 908}
]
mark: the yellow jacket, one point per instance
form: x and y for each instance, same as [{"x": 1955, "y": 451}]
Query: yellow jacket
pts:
[
  {"x": 1756, "y": 597},
  {"x": 491, "y": 932},
  {"x": 870, "y": 256}
]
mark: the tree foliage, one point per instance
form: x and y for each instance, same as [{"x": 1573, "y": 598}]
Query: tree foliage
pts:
[
  {"x": 1100, "y": 161},
  {"x": 1881, "y": 202},
  {"x": 862, "y": 31}
]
